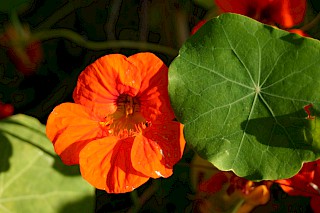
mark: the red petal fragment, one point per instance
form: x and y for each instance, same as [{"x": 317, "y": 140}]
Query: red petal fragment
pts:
[
  {"x": 106, "y": 164},
  {"x": 70, "y": 128},
  {"x": 214, "y": 184},
  {"x": 26, "y": 59},
  {"x": 315, "y": 204},
  {"x": 6, "y": 110},
  {"x": 198, "y": 26},
  {"x": 299, "y": 32},
  {"x": 240, "y": 6},
  {"x": 307, "y": 110},
  {"x": 299, "y": 184},
  {"x": 25, "y": 55},
  {"x": 289, "y": 13},
  {"x": 286, "y": 13}
]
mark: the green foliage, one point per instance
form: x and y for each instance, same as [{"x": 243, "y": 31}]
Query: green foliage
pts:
[
  {"x": 208, "y": 4},
  {"x": 32, "y": 176},
  {"x": 240, "y": 88},
  {"x": 8, "y": 6}
]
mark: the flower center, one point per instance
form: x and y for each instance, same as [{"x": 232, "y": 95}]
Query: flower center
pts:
[{"x": 127, "y": 120}]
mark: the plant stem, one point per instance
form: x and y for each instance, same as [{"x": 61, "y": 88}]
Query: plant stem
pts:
[
  {"x": 136, "y": 203},
  {"x": 101, "y": 45},
  {"x": 183, "y": 31},
  {"x": 311, "y": 24},
  {"x": 15, "y": 21},
  {"x": 143, "y": 23},
  {"x": 59, "y": 14},
  {"x": 110, "y": 26},
  {"x": 146, "y": 195},
  {"x": 62, "y": 12}
]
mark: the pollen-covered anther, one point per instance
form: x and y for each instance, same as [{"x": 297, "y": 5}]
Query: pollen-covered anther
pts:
[
  {"x": 129, "y": 106},
  {"x": 105, "y": 123},
  {"x": 140, "y": 127}
]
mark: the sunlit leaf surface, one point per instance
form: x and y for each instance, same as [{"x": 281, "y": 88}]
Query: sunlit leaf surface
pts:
[
  {"x": 240, "y": 88},
  {"x": 32, "y": 177}
]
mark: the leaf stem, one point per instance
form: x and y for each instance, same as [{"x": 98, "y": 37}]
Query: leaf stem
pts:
[
  {"x": 146, "y": 195},
  {"x": 56, "y": 16},
  {"x": 62, "y": 12},
  {"x": 311, "y": 24},
  {"x": 15, "y": 21},
  {"x": 110, "y": 26},
  {"x": 100, "y": 45},
  {"x": 136, "y": 203}
]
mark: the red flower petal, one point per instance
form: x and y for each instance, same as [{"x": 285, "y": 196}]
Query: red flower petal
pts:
[
  {"x": 6, "y": 110},
  {"x": 106, "y": 164},
  {"x": 315, "y": 204},
  {"x": 214, "y": 184},
  {"x": 286, "y": 13},
  {"x": 153, "y": 92},
  {"x": 240, "y": 6},
  {"x": 101, "y": 83},
  {"x": 156, "y": 151},
  {"x": 26, "y": 59},
  {"x": 299, "y": 32},
  {"x": 26, "y": 56},
  {"x": 299, "y": 184},
  {"x": 70, "y": 128}
]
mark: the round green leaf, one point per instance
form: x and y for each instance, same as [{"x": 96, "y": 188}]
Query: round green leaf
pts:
[
  {"x": 240, "y": 88},
  {"x": 32, "y": 176}
]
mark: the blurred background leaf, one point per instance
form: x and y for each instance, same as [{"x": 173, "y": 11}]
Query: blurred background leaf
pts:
[{"x": 32, "y": 177}]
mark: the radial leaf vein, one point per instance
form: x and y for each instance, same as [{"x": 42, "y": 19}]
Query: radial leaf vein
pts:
[
  {"x": 238, "y": 57},
  {"x": 22, "y": 171},
  {"x": 259, "y": 61},
  {"x": 38, "y": 196},
  {"x": 245, "y": 128},
  {"x": 291, "y": 74},
  {"x": 219, "y": 107},
  {"x": 216, "y": 73},
  {"x": 277, "y": 122},
  {"x": 273, "y": 68},
  {"x": 287, "y": 98}
]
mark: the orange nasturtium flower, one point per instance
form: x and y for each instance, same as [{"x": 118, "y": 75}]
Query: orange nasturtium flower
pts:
[
  {"x": 283, "y": 13},
  {"x": 120, "y": 130}
]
